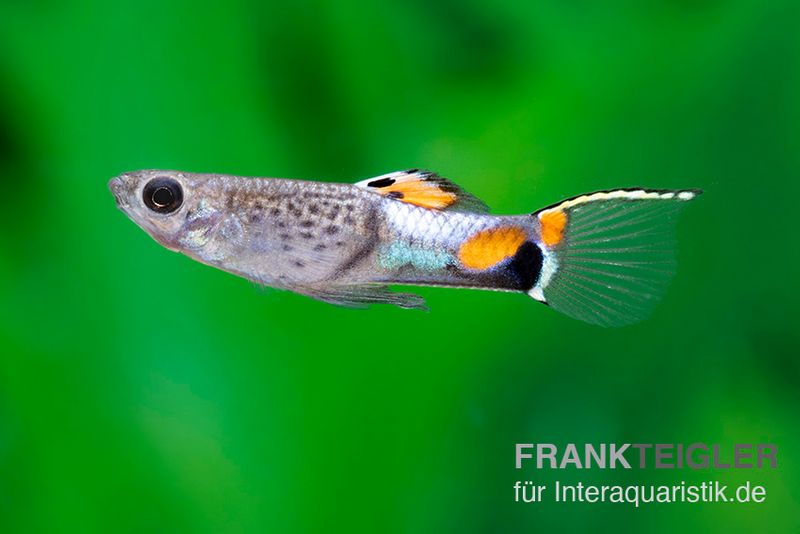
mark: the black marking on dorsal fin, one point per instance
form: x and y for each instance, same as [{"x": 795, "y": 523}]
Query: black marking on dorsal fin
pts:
[{"x": 381, "y": 182}]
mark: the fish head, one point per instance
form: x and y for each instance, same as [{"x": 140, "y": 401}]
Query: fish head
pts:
[{"x": 177, "y": 209}]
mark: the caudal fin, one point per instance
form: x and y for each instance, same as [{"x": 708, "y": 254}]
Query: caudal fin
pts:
[{"x": 609, "y": 256}]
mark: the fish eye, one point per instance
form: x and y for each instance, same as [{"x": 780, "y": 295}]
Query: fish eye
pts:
[{"x": 163, "y": 195}]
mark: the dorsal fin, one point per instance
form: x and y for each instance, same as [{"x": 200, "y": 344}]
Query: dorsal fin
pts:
[{"x": 425, "y": 189}]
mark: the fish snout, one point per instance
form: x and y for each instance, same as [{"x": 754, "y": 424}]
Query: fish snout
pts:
[{"x": 117, "y": 187}]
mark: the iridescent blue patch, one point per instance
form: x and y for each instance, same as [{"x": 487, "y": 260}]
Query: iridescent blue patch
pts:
[{"x": 399, "y": 254}]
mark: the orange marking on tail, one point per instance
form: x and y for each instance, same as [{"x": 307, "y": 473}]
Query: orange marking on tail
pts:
[
  {"x": 489, "y": 247},
  {"x": 421, "y": 193},
  {"x": 553, "y": 223}
]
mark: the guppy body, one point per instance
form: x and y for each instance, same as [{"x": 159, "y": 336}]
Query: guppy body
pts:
[
  {"x": 290, "y": 233},
  {"x": 344, "y": 243}
]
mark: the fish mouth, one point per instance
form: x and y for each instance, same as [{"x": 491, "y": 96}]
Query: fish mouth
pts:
[{"x": 117, "y": 187}]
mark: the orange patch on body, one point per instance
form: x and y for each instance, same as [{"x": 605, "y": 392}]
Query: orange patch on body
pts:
[
  {"x": 421, "y": 193},
  {"x": 489, "y": 247},
  {"x": 553, "y": 223}
]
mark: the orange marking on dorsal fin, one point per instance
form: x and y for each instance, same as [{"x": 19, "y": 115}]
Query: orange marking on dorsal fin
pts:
[
  {"x": 553, "y": 224},
  {"x": 424, "y": 189},
  {"x": 421, "y": 193},
  {"x": 489, "y": 247}
]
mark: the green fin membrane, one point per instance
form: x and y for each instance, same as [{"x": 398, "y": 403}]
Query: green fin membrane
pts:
[{"x": 616, "y": 259}]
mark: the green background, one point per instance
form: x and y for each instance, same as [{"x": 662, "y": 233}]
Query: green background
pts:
[{"x": 141, "y": 391}]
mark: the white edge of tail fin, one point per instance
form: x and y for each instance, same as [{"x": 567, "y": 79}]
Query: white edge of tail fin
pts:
[{"x": 629, "y": 194}]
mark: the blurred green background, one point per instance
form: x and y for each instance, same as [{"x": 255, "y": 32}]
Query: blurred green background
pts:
[{"x": 226, "y": 408}]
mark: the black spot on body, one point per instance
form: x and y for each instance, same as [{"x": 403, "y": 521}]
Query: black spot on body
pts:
[
  {"x": 287, "y": 248},
  {"x": 299, "y": 264},
  {"x": 280, "y": 224},
  {"x": 255, "y": 218},
  {"x": 383, "y": 182},
  {"x": 306, "y": 235},
  {"x": 313, "y": 209},
  {"x": 331, "y": 229},
  {"x": 525, "y": 266},
  {"x": 307, "y": 224},
  {"x": 275, "y": 211},
  {"x": 284, "y": 236},
  {"x": 320, "y": 247}
]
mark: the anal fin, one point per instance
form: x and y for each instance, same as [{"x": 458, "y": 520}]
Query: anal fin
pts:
[{"x": 360, "y": 296}]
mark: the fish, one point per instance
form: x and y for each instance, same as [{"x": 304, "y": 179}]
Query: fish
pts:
[{"x": 604, "y": 257}]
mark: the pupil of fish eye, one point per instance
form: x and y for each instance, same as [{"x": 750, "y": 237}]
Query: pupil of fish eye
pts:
[{"x": 162, "y": 197}]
